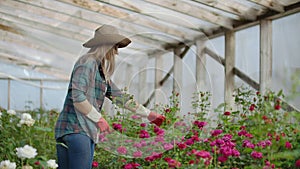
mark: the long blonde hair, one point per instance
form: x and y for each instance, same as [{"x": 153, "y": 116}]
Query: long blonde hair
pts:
[{"x": 106, "y": 55}]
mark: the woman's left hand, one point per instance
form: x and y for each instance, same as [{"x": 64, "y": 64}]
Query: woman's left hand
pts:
[{"x": 103, "y": 125}]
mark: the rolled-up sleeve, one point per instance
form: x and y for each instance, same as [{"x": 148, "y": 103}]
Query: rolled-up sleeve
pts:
[{"x": 82, "y": 80}]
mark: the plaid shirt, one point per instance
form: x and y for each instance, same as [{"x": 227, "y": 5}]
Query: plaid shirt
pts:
[{"x": 87, "y": 82}]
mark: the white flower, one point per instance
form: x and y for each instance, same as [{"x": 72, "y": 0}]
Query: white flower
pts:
[
  {"x": 26, "y": 119},
  {"x": 7, "y": 165},
  {"x": 27, "y": 167},
  {"x": 26, "y": 152},
  {"x": 52, "y": 164},
  {"x": 11, "y": 112},
  {"x": 0, "y": 114}
]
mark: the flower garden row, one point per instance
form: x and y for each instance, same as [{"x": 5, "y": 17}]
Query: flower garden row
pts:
[{"x": 258, "y": 133}]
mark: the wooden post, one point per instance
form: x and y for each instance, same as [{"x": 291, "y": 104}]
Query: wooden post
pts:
[
  {"x": 178, "y": 67},
  {"x": 200, "y": 65},
  {"x": 158, "y": 77},
  {"x": 143, "y": 86},
  {"x": 8, "y": 93},
  {"x": 41, "y": 94},
  {"x": 229, "y": 65},
  {"x": 265, "y": 77}
]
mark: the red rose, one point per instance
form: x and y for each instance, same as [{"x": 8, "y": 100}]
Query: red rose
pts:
[
  {"x": 288, "y": 145},
  {"x": 95, "y": 164},
  {"x": 264, "y": 117},
  {"x": 167, "y": 110},
  {"x": 227, "y": 113},
  {"x": 277, "y": 107},
  {"x": 297, "y": 164},
  {"x": 252, "y": 107}
]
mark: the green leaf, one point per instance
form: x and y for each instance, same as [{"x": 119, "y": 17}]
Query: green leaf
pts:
[
  {"x": 287, "y": 155},
  {"x": 45, "y": 129}
]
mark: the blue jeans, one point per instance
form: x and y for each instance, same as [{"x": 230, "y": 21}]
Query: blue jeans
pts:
[{"x": 75, "y": 151}]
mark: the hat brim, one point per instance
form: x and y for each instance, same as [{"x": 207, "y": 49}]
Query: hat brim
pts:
[{"x": 112, "y": 39}]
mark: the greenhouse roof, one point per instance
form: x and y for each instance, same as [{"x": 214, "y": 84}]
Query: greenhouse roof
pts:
[{"x": 47, "y": 35}]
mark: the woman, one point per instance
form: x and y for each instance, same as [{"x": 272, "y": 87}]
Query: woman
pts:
[{"x": 80, "y": 121}]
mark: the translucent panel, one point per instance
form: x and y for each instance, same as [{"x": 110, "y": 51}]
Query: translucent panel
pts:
[
  {"x": 54, "y": 98},
  {"x": 247, "y": 52},
  {"x": 3, "y": 93},
  {"x": 217, "y": 45},
  {"x": 189, "y": 80},
  {"x": 189, "y": 67},
  {"x": 24, "y": 96},
  {"x": 19, "y": 72},
  {"x": 150, "y": 75},
  {"x": 215, "y": 71},
  {"x": 216, "y": 81},
  {"x": 119, "y": 76},
  {"x": 286, "y": 60}
]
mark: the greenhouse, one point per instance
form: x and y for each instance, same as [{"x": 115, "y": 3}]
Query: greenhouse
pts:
[{"x": 221, "y": 76}]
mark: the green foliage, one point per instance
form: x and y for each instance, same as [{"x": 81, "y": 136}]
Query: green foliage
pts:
[
  {"x": 40, "y": 136},
  {"x": 273, "y": 135},
  {"x": 258, "y": 133}
]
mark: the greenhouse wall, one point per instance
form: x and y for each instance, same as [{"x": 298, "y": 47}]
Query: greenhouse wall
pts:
[{"x": 286, "y": 68}]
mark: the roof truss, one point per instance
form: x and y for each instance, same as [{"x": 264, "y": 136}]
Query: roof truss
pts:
[{"x": 154, "y": 26}]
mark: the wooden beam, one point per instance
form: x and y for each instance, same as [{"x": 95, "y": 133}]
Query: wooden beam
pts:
[
  {"x": 265, "y": 77},
  {"x": 146, "y": 9},
  {"x": 144, "y": 21},
  {"x": 201, "y": 65},
  {"x": 5, "y": 77},
  {"x": 13, "y": 58},
  {"x": 196, "y": 11},
  {"x": 248, "y": 80},
  {"x": 11, "y": 20},
  {"x": 271, "y": 4},
  {"x": 16, "y": 59},
  {"x": 286, "y": 106},
  {"x": 215, "y": 56},
  {"x": 35, "y": 44},
  {"x": 8, "y": 17},
  {"x": 229, "y": 65},
  {"x": 45, "y": 13},
  {"x": 233, "y": 7},
  {"x": 289, "y": 10},
  {"x": 71, "y": 20}
]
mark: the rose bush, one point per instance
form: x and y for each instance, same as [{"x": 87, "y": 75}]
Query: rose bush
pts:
[
  {"x": 27, "y": 139},
  {"x": 257, "y": 133}
]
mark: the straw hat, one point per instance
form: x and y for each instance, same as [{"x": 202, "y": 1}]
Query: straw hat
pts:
[{"x": 109, "y": 35}]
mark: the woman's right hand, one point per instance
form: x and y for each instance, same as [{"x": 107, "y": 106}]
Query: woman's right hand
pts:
[
  {"x": 156, "y": 118},
  {"x": 103, "y": 125}
]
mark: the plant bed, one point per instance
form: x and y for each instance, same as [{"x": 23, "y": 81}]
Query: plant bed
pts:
[{"x": 258, "y": 133}]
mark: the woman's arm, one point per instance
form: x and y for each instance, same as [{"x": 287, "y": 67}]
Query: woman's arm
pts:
[
  {"x": 123, "y": 100},
  {"x": 88, "y": 110},
  {"x": 139, "y": 109},
  {"x": 83, "y": 107}
]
